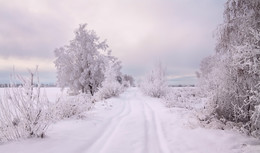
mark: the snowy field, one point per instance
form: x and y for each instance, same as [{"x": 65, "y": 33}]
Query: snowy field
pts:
[
  {"x": 52, "y": 92},
  {"x": 134, "y": 123}
]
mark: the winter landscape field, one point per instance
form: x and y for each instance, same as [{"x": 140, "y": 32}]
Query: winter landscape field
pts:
[{"x": 139, "y": 76}]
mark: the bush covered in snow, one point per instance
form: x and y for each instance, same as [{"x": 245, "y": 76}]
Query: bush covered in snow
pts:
[
  {"x": 109, "y": 90},
  {"x": 24, "y": 111},
  {"x": 111, "y": 86},
  {"x": 72, "y": 106},
  {"x": 154, "y": 84},
  {"x": 184, "y": 97}
]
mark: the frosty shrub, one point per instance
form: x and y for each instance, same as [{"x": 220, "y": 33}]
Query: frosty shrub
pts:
[
  {"x": 111, "y": 86},
  {"x": 72, "y": 106},
  {"x": 24, "y": 111},
  {"x": 154, "y": 84},
  {"x": 184, "y": 97},
  {"x": 110, "y": 89}
]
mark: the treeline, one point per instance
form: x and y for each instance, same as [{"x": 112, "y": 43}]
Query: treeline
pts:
[
  {"x": 5, "y": 85},
  {"x": 230, "y": 77},
  {"x": 181, "y": 85}
]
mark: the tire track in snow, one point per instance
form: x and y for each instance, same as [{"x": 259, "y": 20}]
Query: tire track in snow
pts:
[
  {"x": 120, "y": 120},
  {"x": 159, "y": 137},
  {"x": 146, "y": 139},
  {"x": 101, "y": 140}
]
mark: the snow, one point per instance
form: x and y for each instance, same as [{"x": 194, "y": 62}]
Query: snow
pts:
[
  {"x": 51, "y": 92},
  {"x": 134, "y": 123}
]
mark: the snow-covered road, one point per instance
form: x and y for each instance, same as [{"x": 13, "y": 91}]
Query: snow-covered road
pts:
[
  {"x": 133, "y": 128},
  {"x": 134, "y": 123}
]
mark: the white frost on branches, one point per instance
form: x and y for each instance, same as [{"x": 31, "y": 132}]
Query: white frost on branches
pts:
[
  {"x": 231, "y": 76},
  {"x": 155, "y": 84},
  {"x": 80, "y": 64},
  {"x": 111, "y": 86},
  {"x": 24, "y": 111}
]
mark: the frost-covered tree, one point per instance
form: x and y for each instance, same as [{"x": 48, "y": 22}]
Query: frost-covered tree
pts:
[
  {"x": 241, "y": 17},
  {"x": 155, "y": 84},
  {"x": 238, "y": 46},
  {"x": 129, "y": 79},
  {"x": 80, "y": 64},
  {"x": 233, "y": 80}
]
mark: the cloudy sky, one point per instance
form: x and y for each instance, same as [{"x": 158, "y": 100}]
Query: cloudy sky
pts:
[{"x": 179, "y": 33}]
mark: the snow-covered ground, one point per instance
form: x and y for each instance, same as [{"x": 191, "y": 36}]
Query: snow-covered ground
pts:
[
  {"x": 51, "y": 92},
  {"x": 134, "y": 123}
]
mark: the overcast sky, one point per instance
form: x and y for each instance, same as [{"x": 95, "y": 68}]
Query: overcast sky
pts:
[{"x": 179, "y": 33}]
